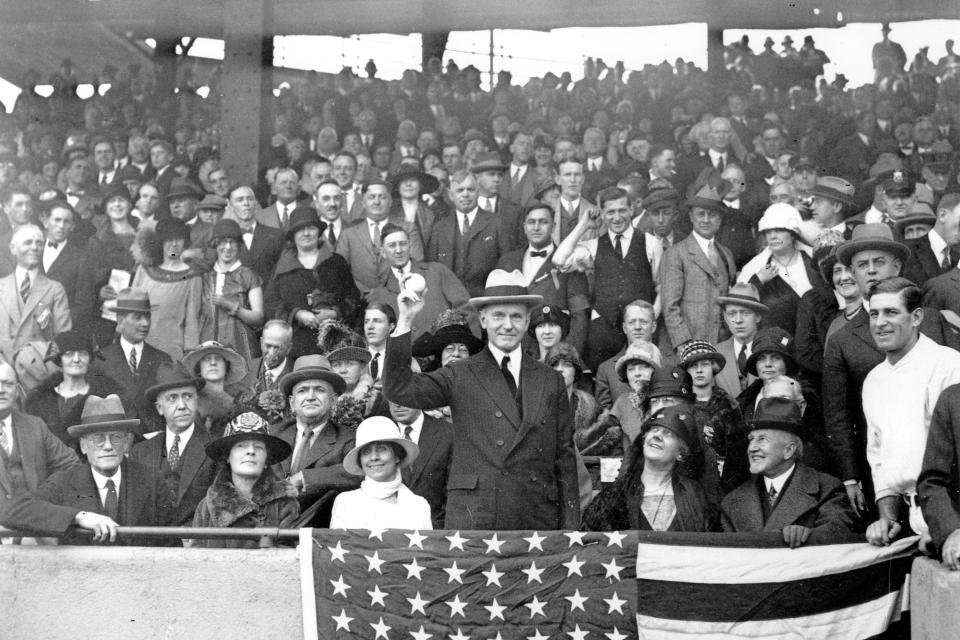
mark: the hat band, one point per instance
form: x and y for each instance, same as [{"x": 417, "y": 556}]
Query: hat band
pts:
[
  {"x": 740, "y": 296},
  {"x": 505, "y": 290},
  {"x": 103, "y": 417}
]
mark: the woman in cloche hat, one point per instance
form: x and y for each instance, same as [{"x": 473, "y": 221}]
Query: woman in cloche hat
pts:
[
  {"x": 382, "y": 501},
  {"x": 246, "y": 492}
]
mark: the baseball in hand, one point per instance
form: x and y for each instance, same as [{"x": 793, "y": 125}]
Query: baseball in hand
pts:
[{"x": 414, "y": 283}]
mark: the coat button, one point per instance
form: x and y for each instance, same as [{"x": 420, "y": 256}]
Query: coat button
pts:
[
  {"x": 499, "y": 414},
  {"x": 499, "y": 443}
]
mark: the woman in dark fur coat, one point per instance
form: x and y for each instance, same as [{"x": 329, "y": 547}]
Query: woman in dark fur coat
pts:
[
  {"x": 656, "y": 491},
  {"x": 245, "y": 490}
]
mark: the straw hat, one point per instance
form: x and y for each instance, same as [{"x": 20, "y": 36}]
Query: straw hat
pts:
[{"x": 506, "y": 287}]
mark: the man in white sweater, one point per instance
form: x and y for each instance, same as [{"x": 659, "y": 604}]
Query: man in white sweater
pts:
[{"x": 899, "y": 395}]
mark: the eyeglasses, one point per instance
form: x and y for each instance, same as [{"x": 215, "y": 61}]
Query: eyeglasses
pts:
[{"x": 100, "y": 439}]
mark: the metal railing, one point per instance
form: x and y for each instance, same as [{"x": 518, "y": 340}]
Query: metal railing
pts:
[{"x": 267, "y": 536}]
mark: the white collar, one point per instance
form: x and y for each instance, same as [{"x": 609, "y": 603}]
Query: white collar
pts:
[
  {"x": 415, "y": 427},
  {"x": 714, "y": 154},
  {"x": 126, "y": 345},
  {"x": 514, "y": 364},
  {"x": 626, "y": 234},
  {"x": 570, "y": 205},
  {"x": 185, "y": 436},
  {"x": 703, "y": 242},
  {"x": 277, "y": 371},
  {"x": 313, "y": 430},
  {"x": 236, "y": 265},
  {"x": 470, "y": 214},
  {"x": 33, "y": 274},
  {"x": 101, "y": 480},
  {"x": 937, "y": 243},
  {"x": 779, "y": 480}
]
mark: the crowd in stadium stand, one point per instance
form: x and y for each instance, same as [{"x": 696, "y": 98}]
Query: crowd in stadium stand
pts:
[{"x": 659, "y": 299}]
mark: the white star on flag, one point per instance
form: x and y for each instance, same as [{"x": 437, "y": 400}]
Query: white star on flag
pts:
[
  {"x": 615, "y": 538},
  {"x": 455, "y": 573},
  {"x": 616, "y": 635},
  {"x": 493, "y": 545},
  {"x": 535, "y": 542},
  {"x": 416, "y": 539},
  {"x": 381, "y": 629},
  {"x": 418, "y": 604},
  {"x": 456, "y": 606},
  {"x": 339, "y": 586},
  {"x": 377, "y": 596},
  {"x": 533, "y": 573},
  {"x": 414, "y": 570},
  {"x": 338, "y": 552},
  {"x": 493, "y": 576},
  {"x": 536, "y": 607},
  {"x": 377, "y": 533},
  {"x": 420, "y": 635},
  {"x": 615, "y": 603},
  {"x": 496, "y": 610},
  {"x": 375, "y": 562},
  {"x": 576, "y": 601},
  {"x": 343, "y": 620},
  {"x": 573, "y": 566},
  {"x": 576, "y": 537},
  {"x": 458, "y": 635},
  {"x": 456, "y": 542},
  {"x": 537, "y": 635},
  {"x": 613, "y": 569},
  {"x": 499, "y": 637},
  {"x": 577, "y": 634}
]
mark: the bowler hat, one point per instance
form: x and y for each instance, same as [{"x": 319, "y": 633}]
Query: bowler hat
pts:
[
  {"x": 875, "y": 236},
  {"x": 782, "y": 414},
  {"x": 248, "y": 426},
  {"x": 697, "y": 350},
  {"x": 549, "y": 314},
  {"x": 773, "y": 340},
  {"x": 311, "y": 367},
  {"x": 428, "y": 183},
  {"x": 236, "y": 364},
  {"x": 668, "y": 382},
  {"x": 183, "y": 188},
  {"x": 101, "y": 415},
  {"x": 378, "y": 429},
  {"x": 132, "y": 301},
  {"x": 172, "y": 375},
  {"x": 302, "y": 217},
  {"x": 489, "y": 161},
  {"x": 645, "y": 352},
  {"x": 744, "y": 294},
  {"x": 506, "y": 287}
]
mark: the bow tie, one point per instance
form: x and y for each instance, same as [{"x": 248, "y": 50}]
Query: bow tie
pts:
[
  {"x": 74, "y": 193},
  {"x": 53, "y": 245},
  {"x": 538, "y": 254}
]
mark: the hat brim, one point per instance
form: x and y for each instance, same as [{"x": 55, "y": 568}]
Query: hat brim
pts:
[
  {"x": 847, "y": 250},
  {"x": 789, "y": 359},
  {"x": 131, "y": 309},
  {"x": 352, "y": 354},
  {"x": 152, "y": 392},
  {"x": 185, "y": 193},
  {"x": 529, "y": 300},
  {"x": 237, "y": 365},
  {"x": 908, "y": 220},
  {"x": 624, "y": 362},
  {"x": 130, "y": 426},
  {"x": 488, "y": 166},
  {"x": 759, "y": 307},
  {"x": 795, "y": 428},
  {"x": 836, "y": 196},
  {"x": 715, "y": 357},
  {"x": 312, "y": 373},
  {"x": 428, "y": 183},
  {"x": 433, "y": 344},
  {"x": 704, "y": 203},
  {"x": 351, "y": 462},
  {"x": 277, "y": 450},
  {"x": 319, "y": 224}
]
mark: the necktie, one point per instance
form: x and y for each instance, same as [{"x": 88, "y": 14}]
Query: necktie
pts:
[
  {"x": 945, "y": 264},
  {"x": 173, "y": 456},
  {"x": 742, "y": 360},
  {"x": 464, "y": 224},
  {"x": 303, "y": 443},
  {"x": 516, "y": 175},
  {"x": 112, "y": 504},
  {"x": 715, "y": 256},
  {"x": 133, "y": 361},
  {"x": 25, "y": 287},
  {"x": 269, "y": 379},
  {"x": 538, "y": 254},
  {"x": 618, "y": 246},
  {"x": 508, "y": 375},
  {"x": 720, "y": 164},
  {"x": 375, "y": 366},
  {"x": 331, "y": 236},
  {"x": 665, "y": 243},
  {"x": 407, "y": 431},
  {"x": 772, "y": 496},
  {"x": 4, "y": 442},
  {"x": 284, "y": 216}
]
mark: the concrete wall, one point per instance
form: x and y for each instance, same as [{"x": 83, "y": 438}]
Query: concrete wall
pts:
[
  {"x": 934, "y": 594},
  {"x": 147, "y": 593}
]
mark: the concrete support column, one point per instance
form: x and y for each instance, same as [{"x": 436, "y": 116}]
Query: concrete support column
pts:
[
  {"x": 246, "y": 85},
  {"x": 714, "y": 49}
]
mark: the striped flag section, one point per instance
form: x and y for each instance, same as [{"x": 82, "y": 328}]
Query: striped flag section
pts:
[{"x": 708, "y": 586}]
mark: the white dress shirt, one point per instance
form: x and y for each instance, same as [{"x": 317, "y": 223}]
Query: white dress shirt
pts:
[
  {"x": 416, "y": 427},
  {"x": 517, "y": 171},
  {"x": 51, "y": 253},
  {"x": 101, "y": 481},
  {"x": 127, "y": 346},
  {"x": 704, "y": 243},
  {"x": 513, "y": 365},
  {"x": 471, "y": 216},
  {"x": 585, "y": 253},
  {"x": 185, "y": 436},
  {"x": 21, "y": 273},
  {"x": 488, "y": 204},
  {"x": 938, "y": 244},
  {"x": 7, "y": 426},
  {"x": 248, "y": 235},
  {"x": 777, "y": 482},
  {"x": 716, "y": 156},
  {"x": 531, "y": 265}
]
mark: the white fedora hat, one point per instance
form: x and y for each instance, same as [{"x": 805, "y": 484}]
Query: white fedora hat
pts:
[{"x": 506, "y": 287}]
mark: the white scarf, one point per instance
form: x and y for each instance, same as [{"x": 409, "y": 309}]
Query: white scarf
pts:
[
  {"x": 381, "y": 490},
  {"x": 798, "y": 280}
]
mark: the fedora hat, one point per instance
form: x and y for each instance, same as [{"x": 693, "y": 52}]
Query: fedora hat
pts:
[
  {"x": 127, "y": 173},
  {"x": 172, "y": 375},
  {"x": 835, "y": 188},
  {"x": 183, "y": 188},
  {"x": 707, "y": 198},
  {"x": 303, "y": 216},
  {"x": 212, "y": 201},
  {"x": 72, "y": 340},
  {"x": 697, "y": 350},
  {"x": 920, "y": 213},
  {"x": 428, "y": 183},
  {"x": 248, "y": 426},
  {"x": 488, "y": 161},
  {"x": 236, "y": 364},
  {"x": 101, "y": 415},
  {"x": 549, "y": 314},
  {"x": 311, "y": 367},
  {"x": 378, "y": 429},
  {"x": 773, "y": 340},
  {"x": 782, "y": 414},
  {"x": 133, "y": 301},
  {"x": 876, "y": 236},
  {"x": 645, "y": 352},
  {"x": 506, "y": 287},
  {"x": 744, "y": 294}
]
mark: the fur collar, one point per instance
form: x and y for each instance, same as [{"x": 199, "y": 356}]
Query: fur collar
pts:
[{"x": 227, "y": 505}]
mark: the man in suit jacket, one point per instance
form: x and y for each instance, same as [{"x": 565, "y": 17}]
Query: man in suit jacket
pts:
[
  {"x": 62, "y": 254},
  {"x": 639, "y": 326},
  {"x": 286, "y": 187},
  {"x": 520, "y": 185},
  {"x": 742, "y": 313},
  {"x": 784, "y": 495},
  {"x": 99, "y": 496},
  {"x": 32, "y": 307},
  {"x": 568, "y": 291},
  {"x": 853, "y": 156},
  {"x": 345, "y": 175},
  {"x": 130, "y": 360},
  {"x": 489, "y": 171},
  {"x": 29, "y": 452},
  {"x": 513, "y": 464},
  {"x": 427, "y": 476},
  {"x": 936, "y": 253},
  {"x": 319, "y": 444},
  {"x": 443, "y": 290},
  {"x": 939, "y": 481},
  {"x": 262, "y": 243},
  {"x": 598, "y": 173},
  {"x": 264, "y": 373},
  {"x": 471, "y": 241},
  {"x": 178, "y": 453},
  {"x": 694, "y": 273},
  {"x": 162, "y": 155},
  {"x": 573, "y": 206}
]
